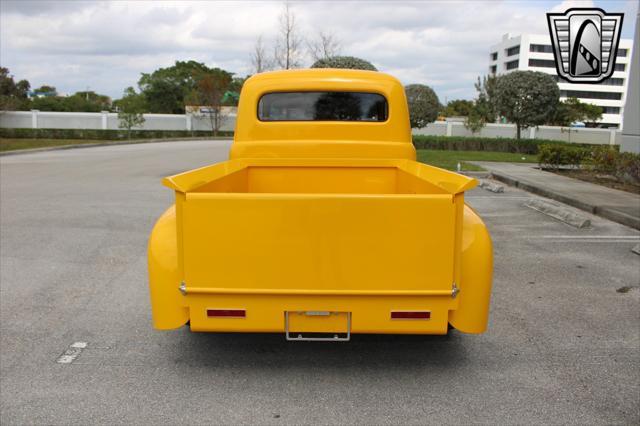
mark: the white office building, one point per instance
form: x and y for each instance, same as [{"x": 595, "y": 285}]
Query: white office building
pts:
[{"x": 534, "y": 53}]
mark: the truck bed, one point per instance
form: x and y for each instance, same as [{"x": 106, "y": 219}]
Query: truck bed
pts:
[
  {"x": 328, "y": 176},
  {"x": 300, "y": 228}
]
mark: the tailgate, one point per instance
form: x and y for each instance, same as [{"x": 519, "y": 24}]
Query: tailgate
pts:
[{"x": 333, "y": 243}]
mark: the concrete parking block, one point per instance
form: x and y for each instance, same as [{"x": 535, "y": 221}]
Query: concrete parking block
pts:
[
  {"x": 559, "y": 212},
  {"x": 493, "y": 187}
]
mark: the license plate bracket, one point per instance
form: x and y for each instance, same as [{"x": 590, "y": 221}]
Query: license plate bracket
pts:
[{"x": 326, "y": 326}]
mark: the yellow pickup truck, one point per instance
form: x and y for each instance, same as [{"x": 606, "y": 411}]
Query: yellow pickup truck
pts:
[{"x": 321, "y": 224}]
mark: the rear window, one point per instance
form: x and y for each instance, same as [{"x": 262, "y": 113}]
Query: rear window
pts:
[{"x": 323, "y": 106}]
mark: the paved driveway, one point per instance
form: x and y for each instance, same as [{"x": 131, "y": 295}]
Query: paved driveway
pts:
[{"x": 562, "y": 347}]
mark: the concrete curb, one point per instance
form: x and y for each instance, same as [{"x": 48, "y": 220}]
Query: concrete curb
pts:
[
  {"x": 94, "y": 145},
  {"x": 477, "y": 175},
  {"x": 605, "y": 212},
  {"x": 559, "y": 212}
]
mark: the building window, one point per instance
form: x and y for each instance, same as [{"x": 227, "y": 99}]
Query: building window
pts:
[
  {"x": 583, "y": 94},
  {"x": 610, "y": 110},
  {"x": 622, "y": 52},
  {"x": 619, "y": 67},
  {"x": 613, "y": 82},
  {"x": 542, "y": 63},
  {"x": 513, "y": 50},
  {"x": 494, "y": 56},
  {"x": 542, "y": 48},
  {"x": 511, "y": 65},
  {"x": 493, "y": 69}
]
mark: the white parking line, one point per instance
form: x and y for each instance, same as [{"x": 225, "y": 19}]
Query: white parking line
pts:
[
  {"x": 71, "y": 353},
  {"x": 586, "y": 237},
  {"x": 605, "y": 239}
]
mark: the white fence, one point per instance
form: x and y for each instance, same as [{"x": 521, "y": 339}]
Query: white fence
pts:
[
  {"x": 106, "y": 120},
  {"x": 573, "y": 134}
]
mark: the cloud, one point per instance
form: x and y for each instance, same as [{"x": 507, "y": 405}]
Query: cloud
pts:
[{"x": 106, "y": 45}]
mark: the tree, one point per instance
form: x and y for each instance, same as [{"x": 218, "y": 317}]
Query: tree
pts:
[
  {"x": 211, "y": 87},
  {"x": 348, "y": 62},
  {"x": 486, "y": 102},
  {"x": 78, "y": 102},
  {"x": 527, "y": 98},
  {"x": 458, "y": 108},
  {"x": 423, "y": 105},
  {"x": 130, "y": 110},
  {"x": 13, "y": 96},
  {"x": 592, "y": 113},
  {"x": 324, "y": 46},
  {"x": 49, "y": 103},
  {"x": 165, "y": 89},
  {"x": 45, "y": 91},
  {"x": 567, "y": 112},
  {"x": 572, "y": 110},
  {"x": 86, "y": 102},
  {"x": 232, "y": 95},
  {"x": 475, "y": 120},
  {"x": 287, "y": 49},
  {"x": 259, "y": 60}
]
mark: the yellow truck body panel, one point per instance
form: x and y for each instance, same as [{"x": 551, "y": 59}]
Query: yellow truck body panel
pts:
[{"x": 321, "y": 227}]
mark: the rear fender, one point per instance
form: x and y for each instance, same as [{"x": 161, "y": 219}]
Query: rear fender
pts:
[
  {"x": 472, "y": 314},
  {"x": 167, "y": 303}
]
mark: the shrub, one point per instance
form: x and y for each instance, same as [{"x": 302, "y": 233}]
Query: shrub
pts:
[
  {"x": 603, "y": 159},
  {"x": 349, "y": 62},
  {"x": 466, "y": 143},
  {"x": 555, "y": 155},
  {"x": 625, "y": 166},
  {"x": 628, "y": 167}
]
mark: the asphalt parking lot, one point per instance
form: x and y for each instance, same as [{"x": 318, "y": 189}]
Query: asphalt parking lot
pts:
[{"x": 562, "y": 346}]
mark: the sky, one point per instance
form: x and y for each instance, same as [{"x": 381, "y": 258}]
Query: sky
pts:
[{"x": 104, "y": 46}]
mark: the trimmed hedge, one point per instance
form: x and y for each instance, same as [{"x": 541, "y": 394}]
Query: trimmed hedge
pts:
[
  {"x": 463, "y": 143},
  {"x": 95, "y": 134},
  {"x": 624, "y": 166},
  {"x": 553, "y": 156}
]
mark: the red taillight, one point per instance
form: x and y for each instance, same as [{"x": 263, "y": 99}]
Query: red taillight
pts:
[
  {"x": 414, "y": 315},
  {"x": 226, "y": 313}
]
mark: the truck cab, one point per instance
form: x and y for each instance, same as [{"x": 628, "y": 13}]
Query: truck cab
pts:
[{"x": 321, "y": 224}]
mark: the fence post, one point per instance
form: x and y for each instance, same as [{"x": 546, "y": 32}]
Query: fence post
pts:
[
  {"x": 105, "y": 116},
  {"x": 532, "y": 132},
  {"x": 449, "y": 128},
  {"x": 188, "y": 121},
  {"x": 612, "y": 137},
  {"x": 34, "y": 118}
]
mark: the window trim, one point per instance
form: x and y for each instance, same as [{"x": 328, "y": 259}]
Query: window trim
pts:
[{"x": 386, "y": 101}]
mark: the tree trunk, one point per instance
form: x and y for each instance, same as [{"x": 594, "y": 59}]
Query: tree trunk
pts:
[
  {"x": 518, "y": 131},
  {"x": 212, "y": 121}
]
